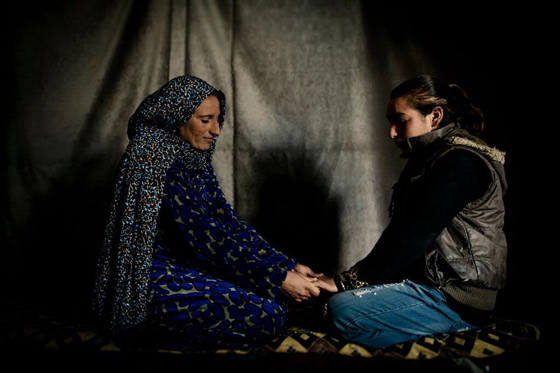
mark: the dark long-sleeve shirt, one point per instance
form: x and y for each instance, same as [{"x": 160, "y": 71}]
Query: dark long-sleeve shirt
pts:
[{"x": 420, "y": 214}]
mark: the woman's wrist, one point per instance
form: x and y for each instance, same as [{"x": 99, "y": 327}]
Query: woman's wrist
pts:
[{"x": 339, "y": 284}]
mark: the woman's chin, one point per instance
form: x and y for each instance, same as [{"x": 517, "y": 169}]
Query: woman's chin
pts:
[{"x": 202, "y": 147}]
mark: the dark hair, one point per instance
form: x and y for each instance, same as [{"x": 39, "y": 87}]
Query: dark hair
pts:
[{"x": 425, "y": 92}]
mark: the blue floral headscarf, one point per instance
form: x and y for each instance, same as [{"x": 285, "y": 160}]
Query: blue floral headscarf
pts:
[{"x": 121, "y": 285}]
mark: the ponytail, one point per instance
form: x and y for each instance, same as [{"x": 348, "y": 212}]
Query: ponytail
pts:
[
  {"x": 463, "y": 111},
  {"x": 425, "y": 93}
]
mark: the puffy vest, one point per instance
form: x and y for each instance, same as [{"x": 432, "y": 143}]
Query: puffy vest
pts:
[{"x": 468, "y": 258}]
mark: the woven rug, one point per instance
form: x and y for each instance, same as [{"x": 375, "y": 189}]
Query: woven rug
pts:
[
  {"x": 489, "y": 341},
  {"x": 20, "y": 326}
]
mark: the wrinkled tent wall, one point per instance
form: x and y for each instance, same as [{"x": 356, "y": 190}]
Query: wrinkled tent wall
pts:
[
  {"x": 304, "y": 169},
  {"x": 304, "y": 155}
]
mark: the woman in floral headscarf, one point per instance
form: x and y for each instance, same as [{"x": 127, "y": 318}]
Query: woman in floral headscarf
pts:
[{"x": 175, "y": 253}]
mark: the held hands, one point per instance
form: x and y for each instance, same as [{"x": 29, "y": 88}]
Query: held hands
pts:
[
  {"x": 306, "y": 271},
  {"x": 299, "y": 283},
  {"x": 299, "y": 287},
  {"x": 320, "y": 281},
  {"x": 326, "y": 283},
  {"x": 303, "y": 283}
]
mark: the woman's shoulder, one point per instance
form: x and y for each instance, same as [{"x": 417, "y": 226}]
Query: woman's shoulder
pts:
[
  {"x": 464, "y": 166},
  {"x": 462, "y": 158}
]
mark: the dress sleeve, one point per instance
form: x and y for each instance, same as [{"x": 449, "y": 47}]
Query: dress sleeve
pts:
[
  {"x": 188, "y": 200},
  {"x": 456, "y": 179},
  {"x": 242, "y": 231}
]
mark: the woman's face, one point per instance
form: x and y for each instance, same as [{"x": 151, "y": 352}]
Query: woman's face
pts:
[
  {"x": 203, "y": 126},
  {"x": 408, "y": 122}
]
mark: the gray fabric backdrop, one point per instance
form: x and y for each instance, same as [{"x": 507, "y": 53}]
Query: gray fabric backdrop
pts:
[{"x": 304, "y": 156}]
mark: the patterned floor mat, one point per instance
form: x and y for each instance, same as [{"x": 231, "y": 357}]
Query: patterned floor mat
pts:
[{"x": 22, "y": 327}]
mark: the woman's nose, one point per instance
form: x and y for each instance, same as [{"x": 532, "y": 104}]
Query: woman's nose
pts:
[
  {"x": 393, "y": 131},
  {"x": 215, "y": 129}
]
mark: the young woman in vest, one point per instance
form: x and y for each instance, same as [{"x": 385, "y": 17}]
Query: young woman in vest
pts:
[{"x": 439, "y": 264}]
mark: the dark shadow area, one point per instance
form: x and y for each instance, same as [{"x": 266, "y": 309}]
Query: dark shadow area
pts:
[
  {"x": 57, "y": 246},
  {"x": 58, "y": 252},
  {"x": 295, "y": 212},
  {"x": 272, "y": 363}
]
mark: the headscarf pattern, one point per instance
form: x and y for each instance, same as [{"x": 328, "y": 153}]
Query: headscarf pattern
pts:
[{"x": 123, "y": 269}]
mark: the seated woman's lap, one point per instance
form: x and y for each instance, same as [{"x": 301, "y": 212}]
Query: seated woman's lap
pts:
[
  {"x": 379, "y": 316},
  {"x": 206, "y": 306}
]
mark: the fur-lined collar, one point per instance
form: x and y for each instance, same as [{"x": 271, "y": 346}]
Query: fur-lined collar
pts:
[{"x": 492, "y": 153}]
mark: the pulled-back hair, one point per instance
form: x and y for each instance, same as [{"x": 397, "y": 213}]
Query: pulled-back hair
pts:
[{"x": 425, "y": 92}]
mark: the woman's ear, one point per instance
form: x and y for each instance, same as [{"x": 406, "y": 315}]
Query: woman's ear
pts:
[{"x": 437, "y": 116}]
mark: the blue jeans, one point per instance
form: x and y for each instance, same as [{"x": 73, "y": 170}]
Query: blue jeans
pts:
[{"x": 382, "y": 315}]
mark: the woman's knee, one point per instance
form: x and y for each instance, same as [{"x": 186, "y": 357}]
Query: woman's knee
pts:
[
  {"x": 270, "y": 315},
  {"x": 338, "y": 311}
]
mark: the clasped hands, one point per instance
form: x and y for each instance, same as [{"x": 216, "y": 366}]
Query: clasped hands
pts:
[{"x": 302, "y": 283}]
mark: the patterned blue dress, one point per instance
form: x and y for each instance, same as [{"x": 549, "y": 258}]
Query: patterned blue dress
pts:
[{"x": 213, "y": 278}]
